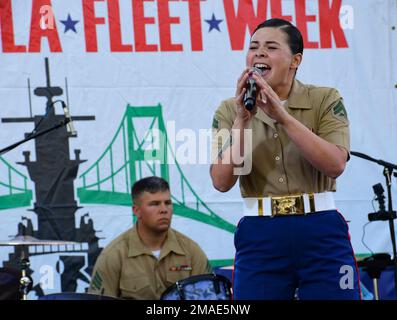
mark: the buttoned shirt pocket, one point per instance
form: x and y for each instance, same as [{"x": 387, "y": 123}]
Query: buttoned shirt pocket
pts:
[{"x": 137, "y": 287}]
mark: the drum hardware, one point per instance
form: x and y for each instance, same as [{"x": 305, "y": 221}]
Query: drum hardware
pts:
[
  {"x": 200, "y": 287},
  {"x": 26, "y": 282},
  {"x": 374, "y": 265},
  {"x": 389, "y": 215},
  {"x": 76, "y": 296},
  {"x": 180, "y": 290},
  {"x": 217, "y": 286}
]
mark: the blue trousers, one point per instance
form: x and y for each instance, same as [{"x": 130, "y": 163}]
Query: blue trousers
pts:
[{"x": 279, "y": 256}]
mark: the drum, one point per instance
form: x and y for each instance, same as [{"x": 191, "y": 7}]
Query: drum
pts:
[
  {"x": 9, "y": 284},
  {"x": 75, "y": 296},
  {"x": 200, "y": 287}
]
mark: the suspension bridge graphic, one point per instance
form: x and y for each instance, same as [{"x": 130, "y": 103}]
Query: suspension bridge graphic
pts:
[
  {"x": 140, "y": 147},
  {"x": 14, "y": 192},
  {"x": 133, "y": 153}
]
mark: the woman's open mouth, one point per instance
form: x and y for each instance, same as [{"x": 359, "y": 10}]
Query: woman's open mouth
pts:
[{"x": 262, "y": 68}]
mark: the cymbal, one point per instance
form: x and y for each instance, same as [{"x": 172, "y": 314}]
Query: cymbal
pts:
[{"x": 31, "y": 241}]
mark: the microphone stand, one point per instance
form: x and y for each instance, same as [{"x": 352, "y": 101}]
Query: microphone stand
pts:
[
  {"x": 34, "y": 136},
  {"x": 390, "y": 215}
]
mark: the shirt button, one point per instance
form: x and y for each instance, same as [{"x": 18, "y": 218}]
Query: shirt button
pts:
[
  {"x": 277, "y": 158},
  {"x": 275, "y": 135},
  {"x": 281, "y": 180}
]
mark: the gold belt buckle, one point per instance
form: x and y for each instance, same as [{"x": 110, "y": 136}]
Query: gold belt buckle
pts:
[{"x": 288, "y": 205}]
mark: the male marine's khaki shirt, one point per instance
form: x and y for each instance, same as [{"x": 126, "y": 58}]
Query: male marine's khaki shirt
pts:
[
  {"x": 278, "y": 167},
  {"x": 127, "y": 269}
]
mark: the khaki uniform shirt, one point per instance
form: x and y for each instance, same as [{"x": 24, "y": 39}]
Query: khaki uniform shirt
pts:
[
  {"x": 126, "y": 268},
  {"x": 278, "y": 167}
]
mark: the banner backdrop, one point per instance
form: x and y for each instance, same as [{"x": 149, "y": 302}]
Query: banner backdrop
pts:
[{"x": 142, "y": 79}]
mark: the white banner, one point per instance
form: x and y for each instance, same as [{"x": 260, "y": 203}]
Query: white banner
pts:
[{"x": 134, "y": 65}]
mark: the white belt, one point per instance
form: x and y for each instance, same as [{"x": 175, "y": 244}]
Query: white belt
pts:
[{"x": 289, "y": 205}]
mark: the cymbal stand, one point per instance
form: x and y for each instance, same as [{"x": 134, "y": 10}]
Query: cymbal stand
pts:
[
  {"x": 388, "y": 215},
  {"x": 26, "y": 282}
]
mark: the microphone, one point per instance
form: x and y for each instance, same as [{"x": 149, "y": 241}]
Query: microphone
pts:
[
  {"x": 252, "y": 92},
  {"x": 69, "y": 124}
]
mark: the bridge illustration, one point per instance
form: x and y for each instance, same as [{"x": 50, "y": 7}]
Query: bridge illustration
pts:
[
  {"x": 133, "y": 153},
  {"x": 14, "y": 192},
  {"x": 140, "y": 147}
]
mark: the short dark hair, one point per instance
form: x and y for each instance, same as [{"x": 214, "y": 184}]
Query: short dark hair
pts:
[
  {"x": 148, "y": 184},
  {"x": 295, "y": 40}
]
